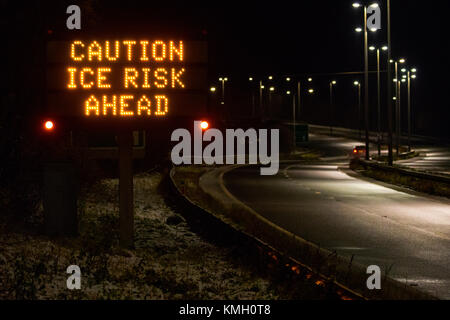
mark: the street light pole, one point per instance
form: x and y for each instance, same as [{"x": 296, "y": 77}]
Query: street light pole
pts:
[
  {"x": 358, "y": 85},
  {"x": 261, "y": 98},
  {"x": 379, "y": 102},
  {"x": 271, "y": 90},
  {"x": 293, "y": 117},
  {"x": 408, "y": 77},
  {"x": 223, "y": 80},
  {"x": 298, "y": 98},
  {"x": 332, "y": 83},
  {"x": 366, "y": 83},
  {"x": 253, "y": 97},
  {"x": 379, "y": 134},
  {"x": 397, "y": 143},
  {"x": 399, "y": 115},
  {"x": 389, "y": 93},
  {"x": 409, "y": 111}
]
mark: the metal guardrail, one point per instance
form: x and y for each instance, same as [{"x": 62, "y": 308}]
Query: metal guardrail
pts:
[
  {"x": 353, "y": 271},
  {"x": 262, "y": 249},
  {"x": 407, "y": 172}
]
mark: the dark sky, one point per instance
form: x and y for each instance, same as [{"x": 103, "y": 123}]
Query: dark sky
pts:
[
  {"x": 259, "y": 38},
  {"x": 283, "y": 36},
  {"x": 306, "y": 37}
]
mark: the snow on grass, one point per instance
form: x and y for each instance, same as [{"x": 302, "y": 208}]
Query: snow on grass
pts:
[{"x": 168, "y": 262}]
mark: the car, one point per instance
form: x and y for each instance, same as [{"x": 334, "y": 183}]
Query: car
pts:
[{"x": 358, "y": 152}]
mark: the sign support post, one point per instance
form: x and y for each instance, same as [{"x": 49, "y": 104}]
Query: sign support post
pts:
[{"x": 126, "y": 199}]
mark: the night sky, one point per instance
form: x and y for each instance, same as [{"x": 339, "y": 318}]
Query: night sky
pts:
[{"x": 304, "y": 38}]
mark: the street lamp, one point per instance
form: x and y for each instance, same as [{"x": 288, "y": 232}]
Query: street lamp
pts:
[
  {"x": 250, "y": 79},
  {"x": 332, "y": 84},
  {"x": 223, "y": 80},
  {"x": 410, "y": 74},
  {"x": 389, "y": 86},
  {"x": 373, "y": 48},
  {"x": 299, "y": 97},
  {"x": 366, "y": 75},
  {"x": 271, "y": 90},
  {"x": 397, "y": 82},
  {"x": 358, "y": 85},
  {"x": 261, "y": 88},
  {"x": 293, "y": 118}
]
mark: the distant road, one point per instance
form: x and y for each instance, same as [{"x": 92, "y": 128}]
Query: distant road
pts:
[
  {"x": 377, "y": 224},
  {"x": 434, "y": 155}
]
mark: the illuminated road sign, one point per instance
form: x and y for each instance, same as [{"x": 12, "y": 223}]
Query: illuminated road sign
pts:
[{"x": 134, "y": 79}]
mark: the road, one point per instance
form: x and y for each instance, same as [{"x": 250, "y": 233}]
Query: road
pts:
[
  {"x": 377, "y": 224},
  {"x": 434, "y": 157}
]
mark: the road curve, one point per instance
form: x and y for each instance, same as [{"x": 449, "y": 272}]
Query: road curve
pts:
[{"x": 377, "y": 224}]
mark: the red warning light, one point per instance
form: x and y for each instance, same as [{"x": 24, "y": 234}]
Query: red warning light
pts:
[
  {"x": 48, "y": 125},
  {"x": 204, "y": 125}
]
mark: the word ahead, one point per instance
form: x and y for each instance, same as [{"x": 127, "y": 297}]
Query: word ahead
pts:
[{"x": 137, "y": 80}]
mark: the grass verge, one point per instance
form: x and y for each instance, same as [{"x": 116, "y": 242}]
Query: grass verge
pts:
[{"x": 424, "y": 185}]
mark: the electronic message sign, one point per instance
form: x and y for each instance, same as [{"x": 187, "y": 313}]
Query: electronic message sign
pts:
[{"x": 126, "y": 79}]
